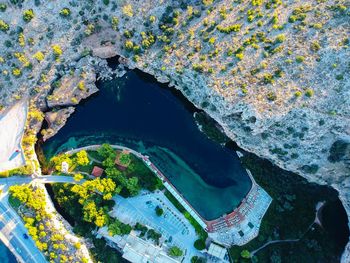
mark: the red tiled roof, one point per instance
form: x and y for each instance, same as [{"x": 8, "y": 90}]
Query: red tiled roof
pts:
[{"x": 97, "y": 171}]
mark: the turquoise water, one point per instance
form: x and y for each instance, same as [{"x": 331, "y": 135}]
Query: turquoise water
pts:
[
  {"x": 5, "y": 255},
  {"x": 137, "y": 112}
]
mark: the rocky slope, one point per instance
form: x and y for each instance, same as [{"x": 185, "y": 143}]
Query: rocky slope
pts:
[{"x": 274, "y": 74}]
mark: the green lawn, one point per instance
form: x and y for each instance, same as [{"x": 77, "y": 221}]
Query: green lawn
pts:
[
  {"x": 14, "y": 202},
  {"x": 95, "y": 155}
]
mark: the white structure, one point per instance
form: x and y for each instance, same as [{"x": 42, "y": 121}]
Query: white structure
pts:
[
  {"x": 65, "y": 167},
  {"x": 217, "y": 251},
  {"x": 137, "y": 250}
]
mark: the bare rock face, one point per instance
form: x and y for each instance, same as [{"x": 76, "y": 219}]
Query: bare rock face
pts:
[
  {"x": 70, "y": 89},
  {"x": 274, "y": 75},
  {"x": 55, "y": 121},
  {"x": 104, "y": 52}
]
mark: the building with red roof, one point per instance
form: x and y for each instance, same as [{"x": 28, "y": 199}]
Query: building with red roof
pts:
[{"x": 97, "y": 171}]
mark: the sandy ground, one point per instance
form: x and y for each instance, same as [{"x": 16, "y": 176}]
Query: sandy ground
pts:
[{"x": 12, "y": 124}]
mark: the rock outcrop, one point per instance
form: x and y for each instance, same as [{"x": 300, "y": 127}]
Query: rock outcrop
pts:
[
  {"x": 274, "y": 75},
  {"x": 55, "y": 121}
]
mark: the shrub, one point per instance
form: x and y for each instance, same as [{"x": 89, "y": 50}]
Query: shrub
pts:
[
  {"x": 300, "y": 59},
  {"x": 16, "y": 72},
  {"x": 280, "y": 38},
  {"x": 148, "y": 39},
  {"x": 128, "y": 34},
  {"x": 65, "y": 12},
  {"x": 198, "y": 67},
  {"x": 230, "y": 28},
  {"x": 212, "y": 40},
  {"x": 81, "y": 85},
  {"x": 257, "y": 2},
  {"x": 4, "y": 26},
  {"x": 90, "y": 28},
  {"x": 152, "y": 19},
  {"x": 39, "y": 56},
  {"x": 3, "y": 7},
  {"x": 21, "y": 40},
  {"x": 175, "y": 251},
  {"x": 245, "y": 254},
  {"x": 28, "y": 15},
  {"x": 57, "y": 51},
  {"x": 268, "y": 78},
  {"x": 338, "y": 151},
  {"x": 315, "y": 46},
  {"x": 115, "y": 22},
  {"x": 271, "y": 96},
  {"x": 129, "y": 45},
  {"x": 128, "y": 10},
  {"x": 309, "y": 92},
  {"x": 310, "y": 169},
  {"x": 207, "y": 2},
  {"x": 297, "y": 94},
  {"x": 239, "y": 55}
]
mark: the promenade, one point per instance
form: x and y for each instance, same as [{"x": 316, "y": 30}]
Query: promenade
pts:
[{"x": 236, "y": 228}]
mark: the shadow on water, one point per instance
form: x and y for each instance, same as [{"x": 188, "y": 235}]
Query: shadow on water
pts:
[
  {"x": 335, "y": 222},
  {"x": 151, "y": 118}
]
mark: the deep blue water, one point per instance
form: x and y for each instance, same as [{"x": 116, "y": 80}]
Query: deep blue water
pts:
[
  {"x": 136, "y": 111},
  {"x": 5, "y": 255}
]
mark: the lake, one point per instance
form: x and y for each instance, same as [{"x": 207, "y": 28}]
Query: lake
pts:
[
  {"x": 5, "y": 255},
  {"x": 137, "y": 112}
]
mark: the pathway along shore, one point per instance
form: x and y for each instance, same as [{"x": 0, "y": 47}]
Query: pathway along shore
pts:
[{"x": 246, "y": 218}]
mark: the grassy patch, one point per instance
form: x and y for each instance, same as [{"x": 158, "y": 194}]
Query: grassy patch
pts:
[
  {"x": 199, "y": 230},
  {"x": 14, "y": 202},
  {"x": 95, "y": 155},
  {"x": 147, "y": 179}
]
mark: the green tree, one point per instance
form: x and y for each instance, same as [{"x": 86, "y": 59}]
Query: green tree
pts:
[
  {"x": 199, "y": 244},
  {"x": 159, "y": 211},
  {"x": 106, "y": 151},
  {"x": 245, "y": 254},
  {"x": 175, "y": 251},
  {"x": 132, "y": 185}
]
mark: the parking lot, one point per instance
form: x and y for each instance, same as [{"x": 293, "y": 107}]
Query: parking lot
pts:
[{"x": 173, "y": 226}]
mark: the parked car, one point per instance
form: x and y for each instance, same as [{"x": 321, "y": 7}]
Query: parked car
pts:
[{"x": 25, "y": 236}]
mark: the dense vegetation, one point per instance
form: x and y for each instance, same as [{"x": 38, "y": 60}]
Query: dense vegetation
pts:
[
  {"x": 87, "y": 205},
  {"x": 289, "y": 217},
  {"x": 68, "y": 202},
  {"x": 30, "y": 202}
]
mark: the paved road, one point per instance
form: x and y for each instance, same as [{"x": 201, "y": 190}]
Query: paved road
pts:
[
  {"x": 14, "y": 180},
  {"x": 11, "y": 225},
  {"x": 12, "y": 230}
]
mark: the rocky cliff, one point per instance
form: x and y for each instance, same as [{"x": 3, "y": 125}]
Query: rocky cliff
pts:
[{"x": 274, "y": 74}]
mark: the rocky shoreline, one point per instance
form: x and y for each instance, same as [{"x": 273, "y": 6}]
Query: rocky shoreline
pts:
[{"x": 275, "y": 77}]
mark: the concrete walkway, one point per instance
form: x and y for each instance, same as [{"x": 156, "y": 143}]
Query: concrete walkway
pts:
[{"x": 172, "y": 224}]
